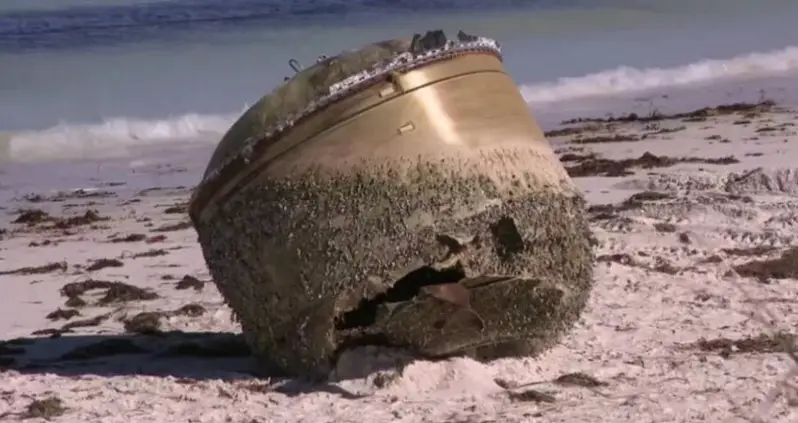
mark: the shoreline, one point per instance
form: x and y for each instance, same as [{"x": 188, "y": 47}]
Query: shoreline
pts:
[
  {"x": 668, "y": 335},
  {"x": 192, "y": 137}
]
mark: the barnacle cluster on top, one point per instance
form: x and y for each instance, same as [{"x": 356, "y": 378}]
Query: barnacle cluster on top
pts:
[
  {"x": 406, "y": 61},
  {"x": 400, "y": 62}
]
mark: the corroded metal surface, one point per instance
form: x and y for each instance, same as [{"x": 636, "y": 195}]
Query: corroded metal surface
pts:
[
  {"x": 424, "y": 209},
  {"x": 316, "y": 93}
]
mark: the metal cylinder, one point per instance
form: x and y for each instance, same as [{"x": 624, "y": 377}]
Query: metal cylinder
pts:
[{"x": 415, "y": 204}]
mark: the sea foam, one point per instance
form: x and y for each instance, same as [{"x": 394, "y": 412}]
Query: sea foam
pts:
[{"x": 121, "y": 136}]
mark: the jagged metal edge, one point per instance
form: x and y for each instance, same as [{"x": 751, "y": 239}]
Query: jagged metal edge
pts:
[{"x": 400, "y": 63}]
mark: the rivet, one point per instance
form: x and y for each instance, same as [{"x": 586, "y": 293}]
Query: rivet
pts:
[
  {"x": 387, "y": 91},
  {"x": 406, "y": 128}
]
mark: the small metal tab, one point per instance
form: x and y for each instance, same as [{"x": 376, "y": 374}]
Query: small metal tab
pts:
[
  {"x": 385, "y": 92},
  {"x": 295, "y": 65},
  {"x": 406, "y": 128}
]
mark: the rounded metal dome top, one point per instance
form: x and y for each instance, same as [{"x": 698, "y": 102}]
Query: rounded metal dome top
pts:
[{"x": 310, "y": 90}]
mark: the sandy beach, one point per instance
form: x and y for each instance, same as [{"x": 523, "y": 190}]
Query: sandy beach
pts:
[{"x": 109, "y": 314}]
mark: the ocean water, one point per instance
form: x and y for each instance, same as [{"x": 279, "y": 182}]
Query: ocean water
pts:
[{"x": 118, "y": 83}]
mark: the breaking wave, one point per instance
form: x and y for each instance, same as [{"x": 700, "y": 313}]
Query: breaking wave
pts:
[
  {"x": 120, "y": 137},
  {"x": 626, "y": 79}
]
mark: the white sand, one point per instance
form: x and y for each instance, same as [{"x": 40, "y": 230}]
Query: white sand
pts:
[{"x": 634, "y": 336}]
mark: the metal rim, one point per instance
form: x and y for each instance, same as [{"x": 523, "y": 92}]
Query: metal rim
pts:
[{"x": 401, "y": 63}]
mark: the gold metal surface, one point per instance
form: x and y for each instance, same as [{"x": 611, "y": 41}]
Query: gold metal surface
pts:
[{"x": 466, "y": 102}]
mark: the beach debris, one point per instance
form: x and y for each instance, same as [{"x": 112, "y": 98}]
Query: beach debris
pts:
[
  {"x": 37, "y": 270},
  {"x": 601, "y": 139},
  {"x": 572, "y": 130},
  {"x": 749, "y": 251},
  {"x": 189, "y": 281},
  {"x": 749, "y": 109},
  {"x": 531, "y": 395},
  {"x": 604, "y": 129},
  {"x": 47, "y": 409},
  {"x": 127, "y": 238},
  {"x": 779, "y": 342},
  {"x": 34, "y": 217},
  {"x": 635, "y": 201},
  {"x": 576, "y": 379},
  {"x": 573, "y": 157},
  {"x": 68, "y": 327},
  {"x": 87, "y": 218},
  {"x": 594, "y": 166},
  {"x": 85, "y": 323},
  {"x": 190, "y": 310},
  {"x": 75, "y": 302},
  {"x": 776, "y": 128},
  {"x": 579, "y": 379},
  {"x": 121, "y": 292},
  {"x": 783, "y": 267},
  {"x": 43, "y": 243},
  {"x": 655, "y": 129},
  {"x": 665, "y": 227},
  {"x": 115, "y": 292},
  {"x": 151, "y": 253},
  {"x": 50, "y": 332},
  {"x": 104, "y": 263},
  {"x": 147, "y": 322},
  {"x": 164, "y": 191},
  {"x": 155, "y": 239},
  {"x": 173, "y": 227},
  {"x": 659, "y": 264},
  {"x": 62, "y": 314},
  {"x": 76, "y": 194},
  {"x": 505, "y": 383},
  {"x": 620, "y": 258},
  {"x": 663, "y": 265},
  {"x": 176, "y": 209}
]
